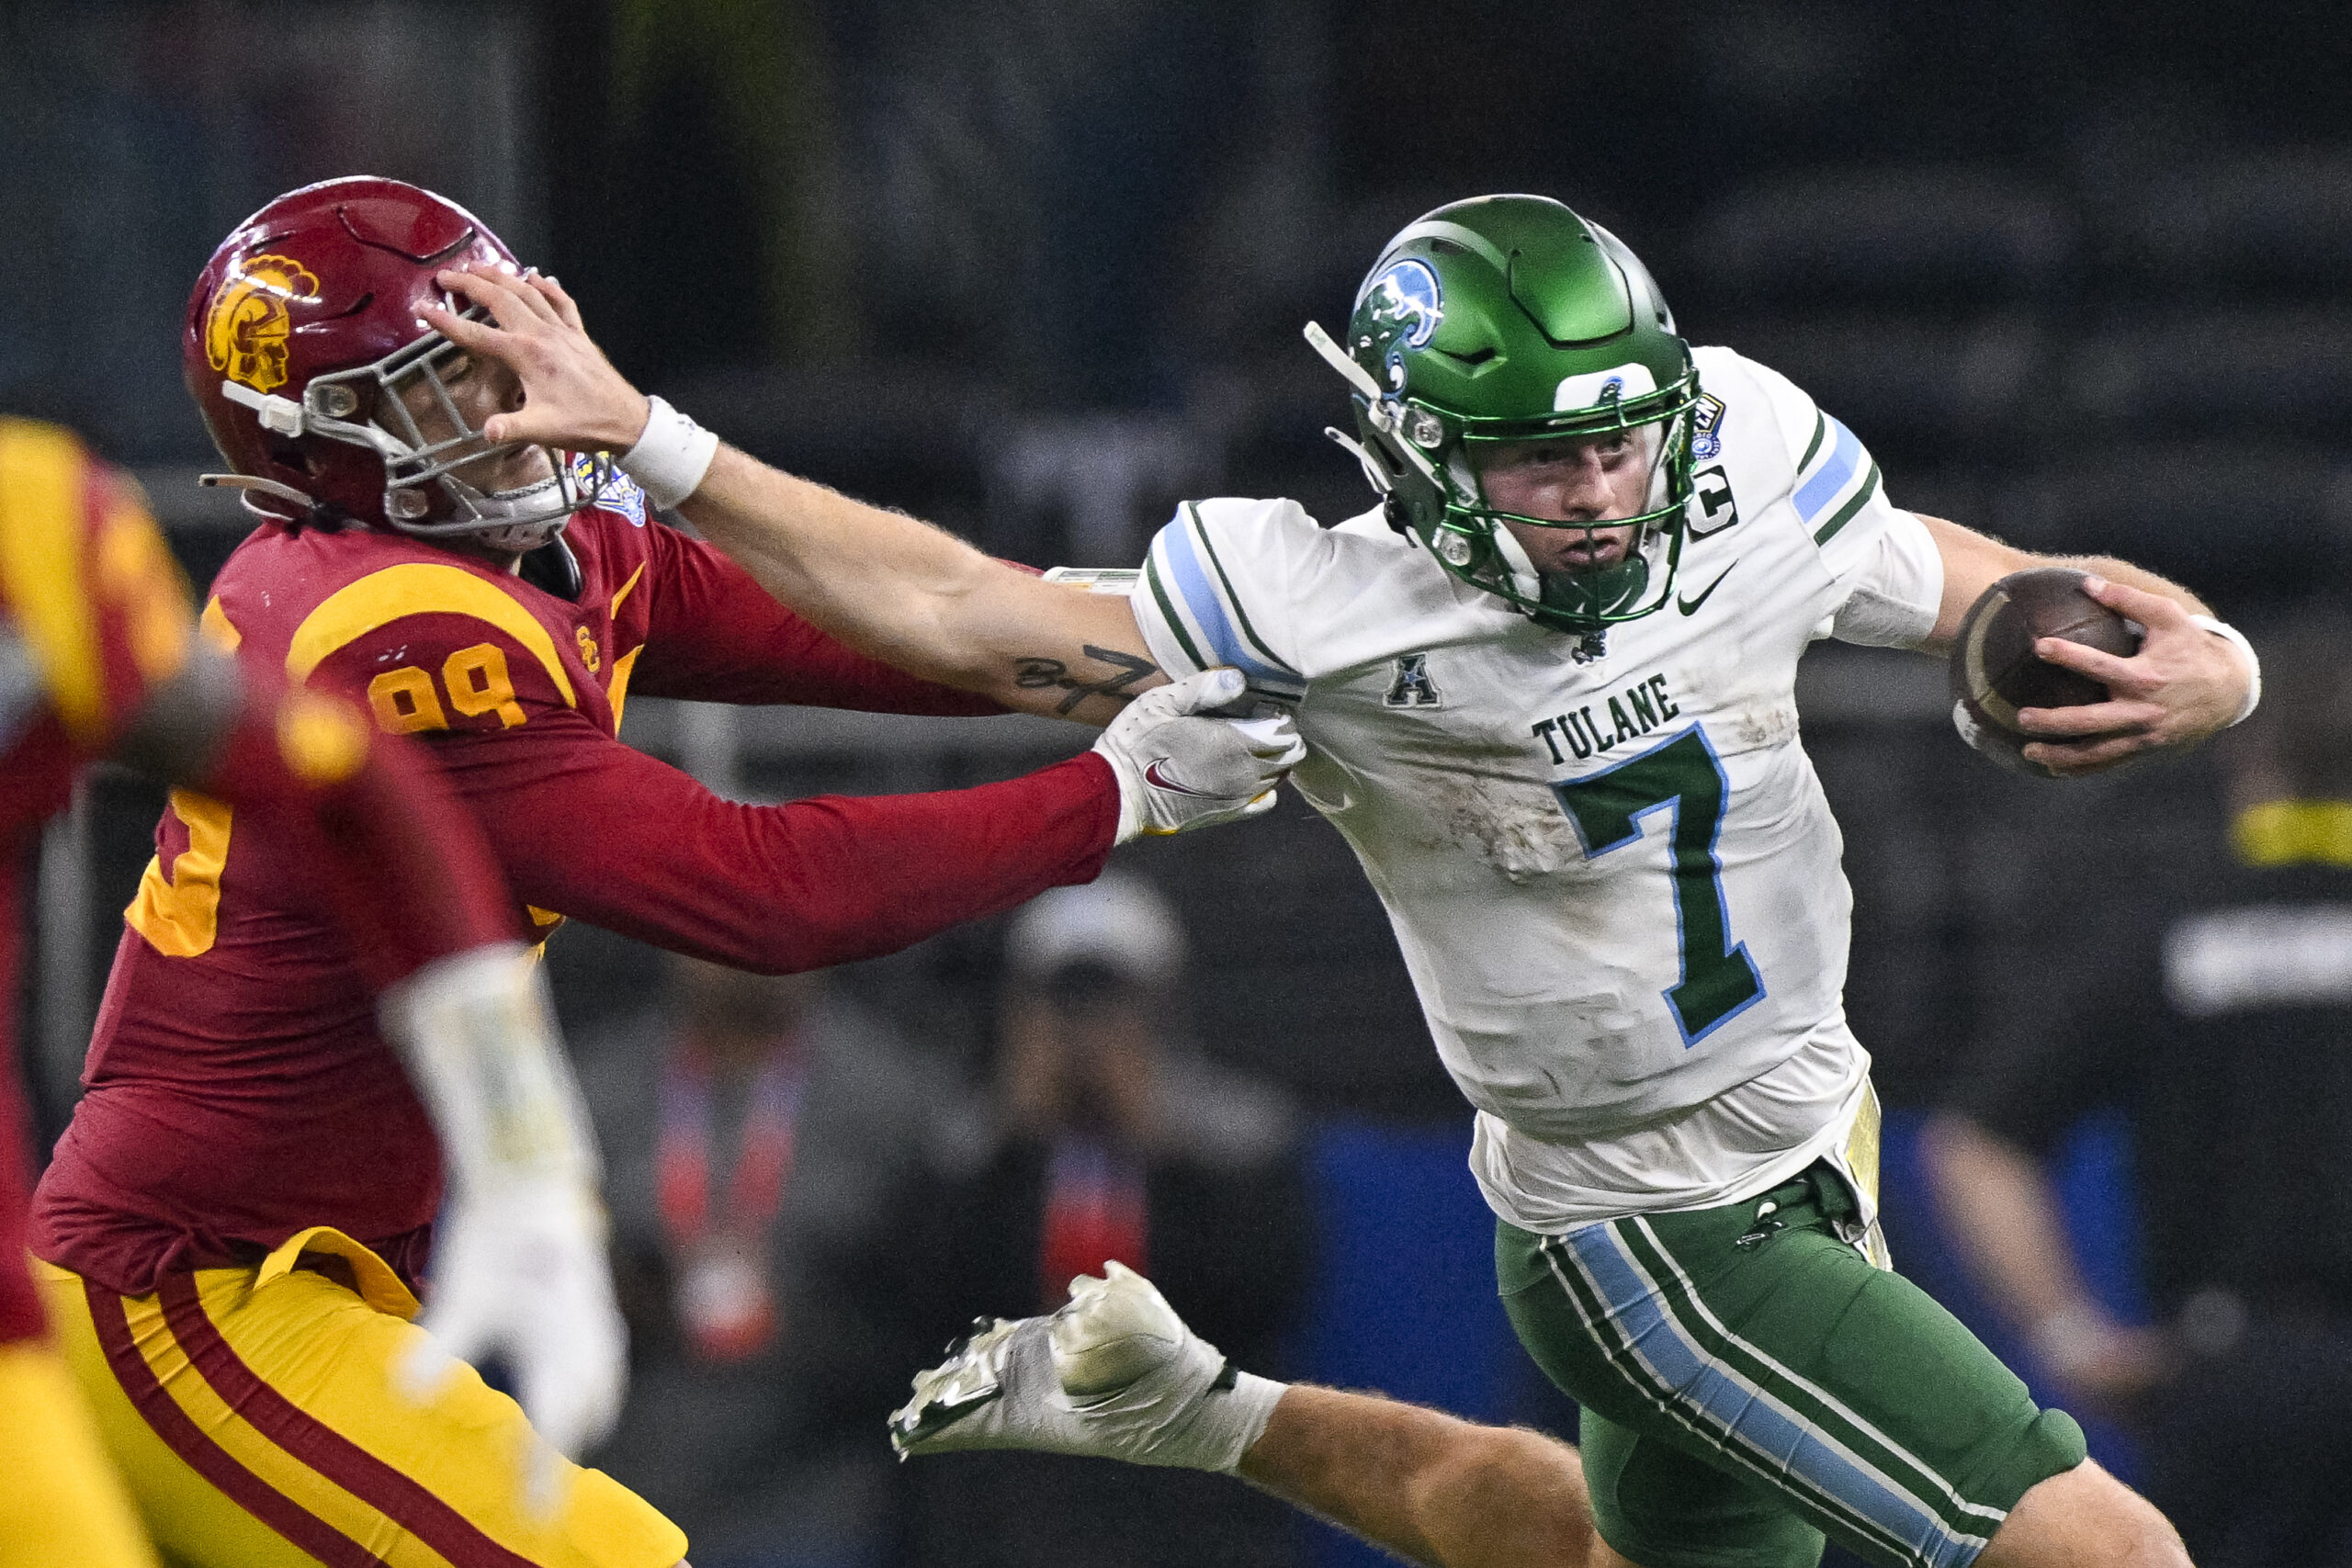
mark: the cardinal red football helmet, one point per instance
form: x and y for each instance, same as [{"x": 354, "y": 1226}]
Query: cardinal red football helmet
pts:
[{"x": 302, "y": 340}]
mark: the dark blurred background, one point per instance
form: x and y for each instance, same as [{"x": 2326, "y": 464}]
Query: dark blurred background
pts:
[{"x": 2079, "y": 274}]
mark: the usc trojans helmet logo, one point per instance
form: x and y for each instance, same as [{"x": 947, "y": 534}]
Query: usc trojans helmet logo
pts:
[{"x": 244, "y": 330}]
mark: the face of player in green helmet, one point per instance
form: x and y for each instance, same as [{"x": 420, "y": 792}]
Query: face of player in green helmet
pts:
[{"x": 1525, "y": 405}]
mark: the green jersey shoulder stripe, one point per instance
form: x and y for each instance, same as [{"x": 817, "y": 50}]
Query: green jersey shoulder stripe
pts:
[
  {"x": 1169, "y": 613},
  {"x": 1820, "y": 428},
  {"x": 1240, "y": 612},
  {"x": 1845, "y": 513}
]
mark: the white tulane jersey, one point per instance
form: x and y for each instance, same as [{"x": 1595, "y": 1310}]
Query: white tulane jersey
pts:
[{"x": 1615, "y": 883}]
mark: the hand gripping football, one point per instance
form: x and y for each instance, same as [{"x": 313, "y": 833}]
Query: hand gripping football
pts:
[{"x": 1994, "y": 670}]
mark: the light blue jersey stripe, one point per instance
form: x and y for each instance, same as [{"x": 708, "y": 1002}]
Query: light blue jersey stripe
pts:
[
  {"x": 1816, "y": 494},
  {"x": 1773, "y": 1435},
  {"x": 1194, "y": 586}
]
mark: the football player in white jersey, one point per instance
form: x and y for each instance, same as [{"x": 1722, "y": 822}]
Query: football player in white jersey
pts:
[{"x": 1547, "y": 691}]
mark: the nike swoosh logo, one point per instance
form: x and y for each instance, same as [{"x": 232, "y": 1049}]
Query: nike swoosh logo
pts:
[
  {"x": 1691, "y": 606},
  {"x": 1158, "y": 780}
]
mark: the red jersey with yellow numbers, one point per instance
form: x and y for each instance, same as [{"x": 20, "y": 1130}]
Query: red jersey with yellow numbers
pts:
[
  {"x": 93, "y": 614},
  {"x": 237, "y": 1090}
]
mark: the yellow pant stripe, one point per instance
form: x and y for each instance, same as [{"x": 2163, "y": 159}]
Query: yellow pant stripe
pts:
[{"x": 272, "y": 1465}]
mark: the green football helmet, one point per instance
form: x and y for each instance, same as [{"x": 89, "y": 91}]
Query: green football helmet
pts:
[{"x": 1508, "y": 318}]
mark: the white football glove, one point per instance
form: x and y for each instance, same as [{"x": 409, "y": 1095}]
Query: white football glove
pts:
[
  {"x": 1114, "y": 1374},
  {"x": 1182, "y": 765},
  {"x": 519, "y": 1269}
]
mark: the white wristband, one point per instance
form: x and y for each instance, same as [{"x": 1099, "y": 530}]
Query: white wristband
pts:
[
  {"x": 670, "y": 459},
  {"x": 2236, "y": 639},
  {"x": 1248, "y": 1406}
]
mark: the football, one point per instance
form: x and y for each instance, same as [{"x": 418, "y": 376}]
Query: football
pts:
[{"x": 1994, "y": 670}]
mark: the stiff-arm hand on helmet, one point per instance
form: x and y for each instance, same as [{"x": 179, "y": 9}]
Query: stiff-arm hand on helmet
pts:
[
  {"x": 574, "y": 398},
  {"x": 1183, "y": 764},
  {"x": 519, "y": 1268}
]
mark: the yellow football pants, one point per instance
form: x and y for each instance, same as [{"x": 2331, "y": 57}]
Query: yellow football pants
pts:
[
  {"x": 255, "y": 1417},
  {"x": 60, "y": 1502}
]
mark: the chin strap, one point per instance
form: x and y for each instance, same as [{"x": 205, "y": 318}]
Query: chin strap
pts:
[
  {"x": 305, "y": 509},
  {"x": 1354, "y": 448},
  {"x": 1336, "y": 357},
  {"x": 1383, "y": 413}
]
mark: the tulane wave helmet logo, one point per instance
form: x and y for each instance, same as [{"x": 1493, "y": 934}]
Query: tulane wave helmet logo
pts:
[{"x": 1405, "y": 301}]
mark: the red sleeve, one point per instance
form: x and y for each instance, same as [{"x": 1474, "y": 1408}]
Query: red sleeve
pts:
[
  {"x": 589, "y": 828},
  {"x": 388, "y": 852},
  {"x": 717, "y": 637}
]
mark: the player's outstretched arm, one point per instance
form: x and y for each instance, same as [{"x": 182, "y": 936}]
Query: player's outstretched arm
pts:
[
  {"x": 2183, "y": 684},
  {"x": 887, "y": 584}
]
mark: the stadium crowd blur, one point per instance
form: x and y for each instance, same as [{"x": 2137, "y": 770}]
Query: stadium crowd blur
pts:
[{"x": 2080, "y": 274}]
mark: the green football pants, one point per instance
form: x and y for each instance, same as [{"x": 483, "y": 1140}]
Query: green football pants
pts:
[{"x": 1750, "y": 1383}]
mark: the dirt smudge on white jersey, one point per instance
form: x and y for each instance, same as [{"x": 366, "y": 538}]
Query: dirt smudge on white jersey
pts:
[{"x": 1515, "y": 827}]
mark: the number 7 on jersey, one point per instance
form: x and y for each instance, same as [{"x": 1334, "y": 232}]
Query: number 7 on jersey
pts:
[{"x": 1719, "y": 981}]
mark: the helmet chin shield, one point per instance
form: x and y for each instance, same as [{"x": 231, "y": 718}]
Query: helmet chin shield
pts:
[{"x": 534, "y": 514}]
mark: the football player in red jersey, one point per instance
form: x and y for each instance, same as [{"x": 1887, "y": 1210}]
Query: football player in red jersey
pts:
[
  {"x": 499, "y": 601},
  {"x": 99, "y": 658}
]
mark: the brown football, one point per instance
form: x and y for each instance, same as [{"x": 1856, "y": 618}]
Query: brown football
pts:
[{"x": 1993, "y": 669}]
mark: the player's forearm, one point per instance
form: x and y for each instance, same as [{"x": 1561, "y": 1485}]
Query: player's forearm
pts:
[
  {"x": 2004, "y": 1218},
  {"x": 920, "y": 599},
  {"x": 714, "y": 635},
  {"x": 861, "y": 876},
  {"x": 886, "y": 584},
  {"x": 1974, "y": 562},
  {"x": 478, "y": 1035},
  {"x": 392, "y": 857},
  {"x": 781, "y": 888}
]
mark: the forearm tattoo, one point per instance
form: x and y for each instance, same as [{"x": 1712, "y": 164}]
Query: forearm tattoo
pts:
[{"x": 1034, "y": 672}]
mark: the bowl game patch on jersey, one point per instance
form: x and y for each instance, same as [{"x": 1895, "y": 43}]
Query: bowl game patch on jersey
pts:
[
  {"x": 1706, "y": 427},
  {"x": 620, "y": 492}
]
